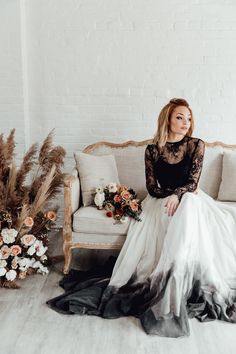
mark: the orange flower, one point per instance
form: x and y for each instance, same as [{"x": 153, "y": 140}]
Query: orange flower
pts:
[
  {"x": 29, "y": 222},
  {"x": 15, "y": 250},
  {"x": 134, "y": 205},
  {"x": 122, "y": 189},
  {"x": 51, "y": 215},
  {"x": 125, "y": 195}
]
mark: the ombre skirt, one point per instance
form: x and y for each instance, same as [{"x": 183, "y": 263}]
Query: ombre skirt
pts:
[{"x": 170, "y": 269}]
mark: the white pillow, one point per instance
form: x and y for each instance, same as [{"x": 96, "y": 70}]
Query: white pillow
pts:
[
  {"x": 227, "y": 190},
  {"x": 212, "y": 171},
  {"x": 95, "y": 171}
]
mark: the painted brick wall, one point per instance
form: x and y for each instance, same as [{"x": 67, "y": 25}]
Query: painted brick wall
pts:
[
  {"x": 103, "y": 69},
  {"x": 11, "y": 88}
]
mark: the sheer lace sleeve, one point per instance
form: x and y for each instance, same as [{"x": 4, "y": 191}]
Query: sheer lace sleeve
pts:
[
  {"x": 151, "y": 182},
  {"x": 195, "y": 172}
]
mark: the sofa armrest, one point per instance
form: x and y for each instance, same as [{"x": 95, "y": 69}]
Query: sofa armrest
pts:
[{"x": 71, "y": 202}]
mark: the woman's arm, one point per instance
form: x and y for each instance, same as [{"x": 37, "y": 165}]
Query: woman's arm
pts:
[
  {"x": 195, "y": 172},
  {"x": 151, "y": 182}
]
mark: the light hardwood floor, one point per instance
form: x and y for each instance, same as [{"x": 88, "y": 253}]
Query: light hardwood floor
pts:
[{"x": 27, "y": 325}]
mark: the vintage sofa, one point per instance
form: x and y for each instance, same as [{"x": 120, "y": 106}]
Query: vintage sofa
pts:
[{"x": 87, "y": 227}]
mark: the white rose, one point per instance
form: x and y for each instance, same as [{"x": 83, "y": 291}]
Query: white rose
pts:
[
  {"x": 25, "y": 263},
  {"x": 3, "y": 263},
  {"x": 11, "y": 275},
  {"x": 112, "y": 187},
  {"x": 39, "y": 247},
  {"x": 99, "y": 189},
  {"x": 31, "y": 250},
  {"x": 8, "y": 235},
  {"x": 2, "y": 272},
  {"x": 43, "y": 270},
  {"x": 43, "y": 258}
]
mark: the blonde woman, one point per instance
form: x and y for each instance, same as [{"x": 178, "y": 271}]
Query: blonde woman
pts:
[{"x": 180, "y": 261}]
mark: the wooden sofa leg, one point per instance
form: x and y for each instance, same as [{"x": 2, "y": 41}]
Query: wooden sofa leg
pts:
[{"x": 67, "y": 253}]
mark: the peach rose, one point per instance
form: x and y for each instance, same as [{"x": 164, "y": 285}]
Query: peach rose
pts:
[
  {"x": 28, "y": 239},
  {"x": 117, "y": 198},
  {"x": 15, "y": 250},
  {"x": 29, "y": 222},
  {"x": 51, "y": 215},
  {"x": 134, "y": 205},
  {"x": 125, "y": 195},
  {"x": 5, "y": 252},
  {"x": 1, "y": 241}
]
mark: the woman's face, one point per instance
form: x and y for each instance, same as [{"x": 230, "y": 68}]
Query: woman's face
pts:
[{"x": 180, "y": 120}]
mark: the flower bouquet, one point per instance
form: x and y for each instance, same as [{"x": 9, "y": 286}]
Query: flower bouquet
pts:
[
  {"x": 24, "y": 221},
  {"x": 119, "y": 201}
]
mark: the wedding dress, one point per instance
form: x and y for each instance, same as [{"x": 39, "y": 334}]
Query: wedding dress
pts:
[{"x": 170, "y": 268}]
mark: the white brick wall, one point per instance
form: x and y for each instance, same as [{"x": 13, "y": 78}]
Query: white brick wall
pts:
[
  {"x": 103, "y": 69},
  {"x": 11, "y": 92}
]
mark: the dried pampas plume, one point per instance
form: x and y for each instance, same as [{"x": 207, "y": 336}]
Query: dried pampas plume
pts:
[{"x": 45, "y": 167}]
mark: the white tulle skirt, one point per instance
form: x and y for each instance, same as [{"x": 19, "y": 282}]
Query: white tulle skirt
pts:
[
  {"x": 171, "y": 268},
  {"x": 192, "y": 251}
]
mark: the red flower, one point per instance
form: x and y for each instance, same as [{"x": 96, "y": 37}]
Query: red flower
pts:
[
  {"x": 119, "y": 212},
  {"x": 109, "y": 214}
]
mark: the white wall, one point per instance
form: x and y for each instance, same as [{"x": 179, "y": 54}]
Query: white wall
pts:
[
  {"x": 103, "y": 69},
  {"x": 11, "y": 83}
]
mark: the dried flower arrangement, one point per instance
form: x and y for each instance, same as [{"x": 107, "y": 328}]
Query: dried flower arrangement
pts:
[{"x": 24, "y": 222}]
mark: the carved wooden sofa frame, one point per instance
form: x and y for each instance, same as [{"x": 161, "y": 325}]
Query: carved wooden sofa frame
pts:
[{"x": 68, "y": 245}]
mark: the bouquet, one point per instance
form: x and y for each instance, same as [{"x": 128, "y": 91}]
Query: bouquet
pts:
[
  {"x": 25, "y": 221},
  {"x": 119, "y": 201}
]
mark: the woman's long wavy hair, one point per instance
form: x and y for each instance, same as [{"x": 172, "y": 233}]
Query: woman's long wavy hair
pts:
[{"x": 161, "y": 135}]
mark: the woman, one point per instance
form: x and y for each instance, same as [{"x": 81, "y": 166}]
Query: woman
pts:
[{"x": 180, "y": 261}]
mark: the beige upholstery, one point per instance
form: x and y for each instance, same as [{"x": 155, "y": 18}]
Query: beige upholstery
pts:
[
  {"x": 87, "y": 227},
  {"x": 227, "y": 190},
  {"x": 91, "y": 220}
]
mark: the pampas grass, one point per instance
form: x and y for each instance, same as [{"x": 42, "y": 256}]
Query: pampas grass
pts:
[
  {"x": 23, "y": 206},
  {"x": 46, "y": 162}
]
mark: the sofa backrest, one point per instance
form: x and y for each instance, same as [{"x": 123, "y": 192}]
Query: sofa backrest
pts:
[{"x": 131, "y": 166}]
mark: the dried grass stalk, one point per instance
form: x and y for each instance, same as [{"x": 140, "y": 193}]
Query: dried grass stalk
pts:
[{"x": 42, "y": 195}]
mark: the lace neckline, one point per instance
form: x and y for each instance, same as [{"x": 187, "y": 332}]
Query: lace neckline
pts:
[{"x": 176, "y": 142}]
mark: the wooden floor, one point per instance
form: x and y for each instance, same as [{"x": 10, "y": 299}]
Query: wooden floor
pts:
[{"x": 27, "y": 325}]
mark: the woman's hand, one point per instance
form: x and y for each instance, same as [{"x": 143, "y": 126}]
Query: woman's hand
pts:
[{"x": 171, "y": 204}]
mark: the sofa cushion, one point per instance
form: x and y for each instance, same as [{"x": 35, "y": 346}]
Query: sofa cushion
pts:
[
  {"x": 93, "y": 172},
  {"x": 227, "y": 190},
  {"x": 130, "y": 164},
  {"x": 93, "y": 221},
  {"x": 104, "y": 241},
  {"x": 211, "y": 171}
]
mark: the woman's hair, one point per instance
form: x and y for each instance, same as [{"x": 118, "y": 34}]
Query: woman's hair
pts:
[{"x": 161, "y": 135}]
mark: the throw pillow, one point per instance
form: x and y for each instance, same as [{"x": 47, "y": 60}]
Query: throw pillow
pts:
[
  {"x": 227, "y": 190},
  {"x": 95, "y": 171}
]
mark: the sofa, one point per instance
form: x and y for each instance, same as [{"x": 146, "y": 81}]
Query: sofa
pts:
[{"x": 87, "y": 227}]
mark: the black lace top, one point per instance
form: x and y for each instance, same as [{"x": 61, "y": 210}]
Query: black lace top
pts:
[{"x": 174, "y": 168}]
